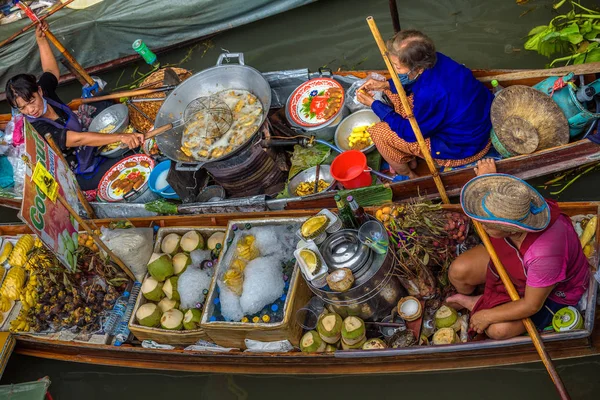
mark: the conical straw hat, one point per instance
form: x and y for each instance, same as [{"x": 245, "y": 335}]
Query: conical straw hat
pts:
[
  {"x": 526, "y": 120},
  {"x": 505, "y": 201}
]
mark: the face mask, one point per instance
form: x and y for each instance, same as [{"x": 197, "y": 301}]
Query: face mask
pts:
[{"x": 405, "y": 80}]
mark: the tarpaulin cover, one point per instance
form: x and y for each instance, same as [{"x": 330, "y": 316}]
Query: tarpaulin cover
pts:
[{"x": 105, "y": 31}]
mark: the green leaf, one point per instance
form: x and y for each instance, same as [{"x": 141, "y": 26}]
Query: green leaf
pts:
[
  {"x": 586, "y": 27},
  {"x": 538, "y": 29},
  {"x": 575, "y": 38},
  {"x": 534, "y": 42},
  {"x": 569, "y": 30},
  {"x": 591, "y": 35},
  {"x": 589, "y": 57}
]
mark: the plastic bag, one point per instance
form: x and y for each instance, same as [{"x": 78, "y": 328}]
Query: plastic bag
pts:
[
  {"x": 18, "y": 166},
  {"x": 280, "y": 346},
  {"x": 352, "y": 102},
  {"x": 133, "y": 246}
]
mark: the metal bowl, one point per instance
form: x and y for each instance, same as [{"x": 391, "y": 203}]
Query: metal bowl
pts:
[
  {"x": 309, "y": 175},
  {"x": 343, "y": 131},
  {"x": 117, "y": 115},
  {"x": 211, "y": 193}
]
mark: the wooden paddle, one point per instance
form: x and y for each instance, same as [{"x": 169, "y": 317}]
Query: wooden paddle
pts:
[{"x": 510, "y": 288}]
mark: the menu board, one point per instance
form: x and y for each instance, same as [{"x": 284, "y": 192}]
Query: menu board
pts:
[{"x": 47, "y": 177}]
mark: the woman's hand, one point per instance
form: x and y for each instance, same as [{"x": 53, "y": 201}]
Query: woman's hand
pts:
[
  {"x": 480, "y": 321},
  {"x": 40, "y": 31},
  {"x": 375, "y": 85},
  {"x": 364, "y": 97},
  {"x": 132, "y": 140}
]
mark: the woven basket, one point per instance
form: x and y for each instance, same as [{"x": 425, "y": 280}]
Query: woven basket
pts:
[
  {"x": 166, "y": 336},
  {"x": 140, "y": 123}
]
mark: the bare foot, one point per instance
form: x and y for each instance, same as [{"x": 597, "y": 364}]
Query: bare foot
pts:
[
  {"x": 459, "y": 301},
  {"x": 485, "y": 166}
]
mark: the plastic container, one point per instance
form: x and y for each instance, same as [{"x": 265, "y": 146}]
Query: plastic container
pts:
[
  {"x": 335, "y": 224},
  {"x": 350, "y": 170},
  {"x": 318, "y": 279},
  {"x": 167, "y": 192},
  {"x": 374, "y": 235}
]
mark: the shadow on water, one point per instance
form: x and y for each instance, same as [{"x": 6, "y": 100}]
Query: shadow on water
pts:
[{"x": 333, "y": 33}]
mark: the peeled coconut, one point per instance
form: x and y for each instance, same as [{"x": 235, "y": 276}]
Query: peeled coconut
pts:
[
  {"x": 217, "y": 237},
  {"x": 357, "y": 345},
  {"x": 445, "y": 317},
  {"x": 329, "y": 327},
  {"x": 170, "y": 288},
  {"x": 340, "y": 280},
  {"x": 445, "y": 336},
  {"x": 160, "y": 266},
  {"x": 329, "y": 348},
  {"x": 409, "y": 308},
  {"x": 148, "y": 315},
  {"x": 374, "y": 344},
  {"x": 191, "y": 241},
  {"x": 191, "y": 319},
  {"x": 152, "y": 289},
  {"x": 180, "y": 263},
  {"x": 353, "y": 331},
  {"x": 311, "y": 342},
  {"x": 172, "y": 320},
  {"x": 170, "y": 243},
  {"x": 167, "y": 304}
]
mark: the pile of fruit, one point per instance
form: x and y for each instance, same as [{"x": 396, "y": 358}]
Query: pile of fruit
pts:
[
  {"x": 87, "y": 240},
  {"x": 360, "y": 138}
]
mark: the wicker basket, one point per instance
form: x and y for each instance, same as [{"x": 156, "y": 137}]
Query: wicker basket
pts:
[
  {"x": 232, "y": 334},
  {"x": 140, "y": 123},
  {"x": 166, "y": 336}
]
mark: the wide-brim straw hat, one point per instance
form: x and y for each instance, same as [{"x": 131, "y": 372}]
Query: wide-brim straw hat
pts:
[
  {"x": 526, "y": 120},
  {"x": 505, "y": 201}
]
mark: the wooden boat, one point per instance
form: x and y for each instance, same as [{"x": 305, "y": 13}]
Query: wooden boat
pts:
[
  {"x": 572, "y": 344},
  {"x": 526, "y": 166}
]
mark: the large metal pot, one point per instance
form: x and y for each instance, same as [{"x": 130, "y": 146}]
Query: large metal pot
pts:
[{"x": 205, "y": 83}]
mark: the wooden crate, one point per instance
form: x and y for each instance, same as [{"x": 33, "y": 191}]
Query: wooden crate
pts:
[
  {"x": 232, "y": 334},
  {"x": 166, "y": 336}
]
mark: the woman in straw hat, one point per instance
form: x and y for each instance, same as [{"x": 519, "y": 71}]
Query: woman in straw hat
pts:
[
  {"x": 537, "y": 245},
  {"x": 450, "y": 105}
]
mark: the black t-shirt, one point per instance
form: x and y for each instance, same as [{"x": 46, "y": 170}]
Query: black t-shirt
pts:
[{"x": 49, "y": 83}]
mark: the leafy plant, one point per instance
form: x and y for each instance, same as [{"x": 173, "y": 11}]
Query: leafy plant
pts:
[{"x": 576, "y": 33}]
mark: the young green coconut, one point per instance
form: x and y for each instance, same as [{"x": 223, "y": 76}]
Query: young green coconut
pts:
[
  {"x": 170, "y": 288},
  {"x": 446, "y": 317},
  {"x": 152, "y": 289},
  {"x": 191, "y": 241},
  {"x": 409, "y": 308},
  {"x": 330, "y": 348},
  {"x": 358, "y": 345},
  {"x": 167, "y": 304},
  {"x": 445, "y": 336},
  {"x": 160, "y": 266},
  {"x": 148, "y": 315},
  {"x": 180, "y": 263},
  {"x": 191, "y": 319},
  {"x": 311, "y": 342},
  {"x": 329, "y": 327},
  {"x": 214, "y": 239},
  {"x": 374, "y": 344},
  {"x": 170, "y": 243},
  {"x": 353, "y": 331},
  {"x": 172, "y": 320}
]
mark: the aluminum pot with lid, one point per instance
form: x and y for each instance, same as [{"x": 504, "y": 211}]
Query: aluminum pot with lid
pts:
[{"x": 205, "y": 83}]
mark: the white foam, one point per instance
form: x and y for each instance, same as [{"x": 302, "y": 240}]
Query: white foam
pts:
[
  {"x": 191, "y": 285},
  {"x": 263, "y": 284},
  {"x": 198, "y": 256},
  {"x": 230, "y": 304}
]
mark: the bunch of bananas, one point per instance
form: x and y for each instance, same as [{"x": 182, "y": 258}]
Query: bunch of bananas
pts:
[
  {"x": 29, "y": 295},
  {"x": 18, "y": 256},
  {"x": 20, "y": 324},
  {"x": 13, "y": 284}
]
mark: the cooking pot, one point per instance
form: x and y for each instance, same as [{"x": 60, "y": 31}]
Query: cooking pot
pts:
[{"x": 205, "y": 83}]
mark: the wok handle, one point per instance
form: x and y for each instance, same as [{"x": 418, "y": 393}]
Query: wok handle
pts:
[
  {"x": 223, "y": 56},
  {"x": 158, "y": 131}
]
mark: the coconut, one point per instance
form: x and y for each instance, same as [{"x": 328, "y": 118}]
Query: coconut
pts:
[
  {"x": 172, "y": 320},
  {"x": 152, "y": 289},
  {"x": 180, "y": 263},
  {"x": 167, "y": 304},
  {"x": 191, "y": 241},
  {"x": 409, "y": 308},
  {"x": 353, "y": 331},
  {"x": 170, "y": 288},
  {"x": 374, "y": 344},
  {"x": 340, "y": 280},
  {"x": 160, "y": 266},
  {"x": 329, "y": 327},
  {"x": 148, "y": 315},
  {"x": 217, "y": 237},
  {"x": 357, "y": 345},
  {"x": 191, "y": 319},
  {"x": 311, "y": 342},
  {"x": 445, "y": 336},
  {"x": 330, "y": 348},
  {"x": 445, "y": 317},
  {"x": 170, "y": 243}
]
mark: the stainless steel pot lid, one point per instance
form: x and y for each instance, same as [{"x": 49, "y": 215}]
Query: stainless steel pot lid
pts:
[{"x": 343, "y": 250}]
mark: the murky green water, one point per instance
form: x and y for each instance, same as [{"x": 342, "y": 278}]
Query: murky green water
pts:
[{"x": 333, "y": 33}]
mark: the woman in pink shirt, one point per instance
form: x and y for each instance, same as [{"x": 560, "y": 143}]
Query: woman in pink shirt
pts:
[{"x": 537, "y": 245}]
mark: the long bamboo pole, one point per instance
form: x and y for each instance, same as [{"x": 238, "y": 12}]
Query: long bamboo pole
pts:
[
  {"x": 15, "y": 35},
  {"x": 408, "y": 109}
]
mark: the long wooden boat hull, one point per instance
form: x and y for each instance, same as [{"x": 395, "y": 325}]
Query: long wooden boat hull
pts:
[{"x": 579, "y": 343}]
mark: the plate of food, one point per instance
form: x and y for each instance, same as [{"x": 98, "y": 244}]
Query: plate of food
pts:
[
  {"x": 117, "y": 149},
  {"x": 126, "y": 178}
]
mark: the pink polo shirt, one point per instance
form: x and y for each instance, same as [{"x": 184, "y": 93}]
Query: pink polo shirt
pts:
[{"x": 556, "y": 258}]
